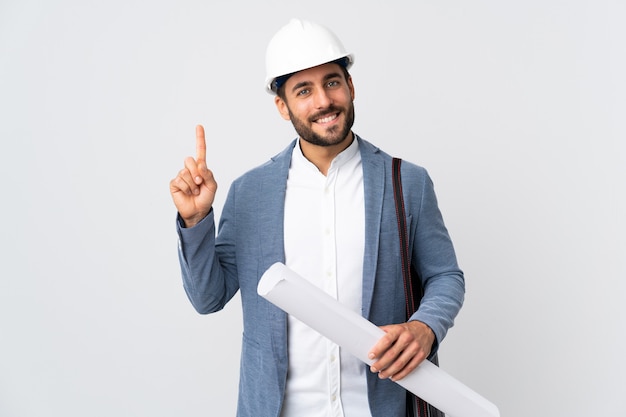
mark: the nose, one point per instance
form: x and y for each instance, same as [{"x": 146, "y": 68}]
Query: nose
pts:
[{"x": 321, "y": 98}]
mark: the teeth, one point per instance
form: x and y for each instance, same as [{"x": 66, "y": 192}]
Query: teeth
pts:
[{"x": 327, "y": 119}]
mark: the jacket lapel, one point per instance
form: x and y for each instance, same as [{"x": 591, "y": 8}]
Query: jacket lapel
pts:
[
  {"x": 374, "y": 187},
  {"x": 271, "y": 209}
]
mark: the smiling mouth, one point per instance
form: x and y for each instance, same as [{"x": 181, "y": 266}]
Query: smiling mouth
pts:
[{"x": 327, "y": 119}]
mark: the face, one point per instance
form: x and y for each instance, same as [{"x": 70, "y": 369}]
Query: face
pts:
[{"x": 319, "y": 103}]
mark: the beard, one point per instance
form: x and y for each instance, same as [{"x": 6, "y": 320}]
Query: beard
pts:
[{"x": 333, "y": 135}]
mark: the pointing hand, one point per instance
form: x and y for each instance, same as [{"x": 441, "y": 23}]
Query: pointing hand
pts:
[{"x": 193, "y": 189}]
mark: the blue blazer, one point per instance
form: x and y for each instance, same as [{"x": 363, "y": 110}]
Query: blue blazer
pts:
[{"x": 250, "y": 240}]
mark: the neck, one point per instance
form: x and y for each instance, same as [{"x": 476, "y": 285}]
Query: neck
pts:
[{"x": 322, "y": 156}]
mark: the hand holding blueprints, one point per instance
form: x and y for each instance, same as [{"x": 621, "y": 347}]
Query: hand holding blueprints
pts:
[{"x": 298, "y": 297}]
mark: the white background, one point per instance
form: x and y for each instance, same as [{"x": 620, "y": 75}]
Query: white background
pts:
[{"x": 516, "y": 109}]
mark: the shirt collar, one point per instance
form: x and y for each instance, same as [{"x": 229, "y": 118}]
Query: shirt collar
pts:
[{"x": 340, "y": 160}]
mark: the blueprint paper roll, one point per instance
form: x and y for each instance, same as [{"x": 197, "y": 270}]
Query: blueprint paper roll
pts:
[{"x": 295, "y": 295}]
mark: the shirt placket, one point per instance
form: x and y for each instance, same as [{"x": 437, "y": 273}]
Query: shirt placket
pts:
[{"x": 330, "y": 286}]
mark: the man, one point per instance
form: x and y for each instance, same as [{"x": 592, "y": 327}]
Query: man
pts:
[{"x": 323, "y": 206}]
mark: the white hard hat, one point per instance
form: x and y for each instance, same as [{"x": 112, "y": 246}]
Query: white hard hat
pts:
[{"x": 300, "y": 45}]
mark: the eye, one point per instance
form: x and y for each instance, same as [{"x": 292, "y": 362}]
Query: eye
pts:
[
  {"x": 303, "y": 92},
  {"x": 333, "y": 83}
]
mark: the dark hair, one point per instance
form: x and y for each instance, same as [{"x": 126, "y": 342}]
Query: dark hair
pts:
[{"x": 278, "y": 85}]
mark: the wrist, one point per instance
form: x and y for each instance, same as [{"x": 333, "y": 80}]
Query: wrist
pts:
[{"x": 191, "y": 221}]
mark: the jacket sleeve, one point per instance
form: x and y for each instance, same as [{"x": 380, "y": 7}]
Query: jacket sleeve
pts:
[
  {"x": 434, "y": 257},
  {"x": 208, "y": 269}
]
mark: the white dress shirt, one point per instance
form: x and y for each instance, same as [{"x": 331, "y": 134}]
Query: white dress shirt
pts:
[{"x": 324, "y": 243}]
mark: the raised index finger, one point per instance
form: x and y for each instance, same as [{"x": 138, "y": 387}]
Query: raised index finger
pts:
[{"x": 200, "y": 144}]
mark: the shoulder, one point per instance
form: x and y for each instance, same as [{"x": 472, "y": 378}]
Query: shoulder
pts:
[{"x": 413, "y": 172}]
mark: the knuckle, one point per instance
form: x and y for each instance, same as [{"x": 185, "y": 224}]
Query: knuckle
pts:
[
  {"x": 190, "y": 163},
  {"x": 396, "y": 351}
]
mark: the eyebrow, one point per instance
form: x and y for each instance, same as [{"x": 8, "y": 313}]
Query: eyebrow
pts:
[{"x": 307, "y": 83}]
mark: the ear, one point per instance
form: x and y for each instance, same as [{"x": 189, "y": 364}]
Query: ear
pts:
[
  {"x": 351, "y": 87},
  {"x": 282, "y": 108}
]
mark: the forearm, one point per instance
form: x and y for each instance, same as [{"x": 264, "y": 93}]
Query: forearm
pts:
[
  {"x": 204, "y": 279},
  {"x": 442, "y": 301}
]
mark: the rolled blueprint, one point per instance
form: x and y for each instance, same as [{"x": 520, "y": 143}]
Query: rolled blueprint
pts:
[{"x": 303, "y": 300}]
